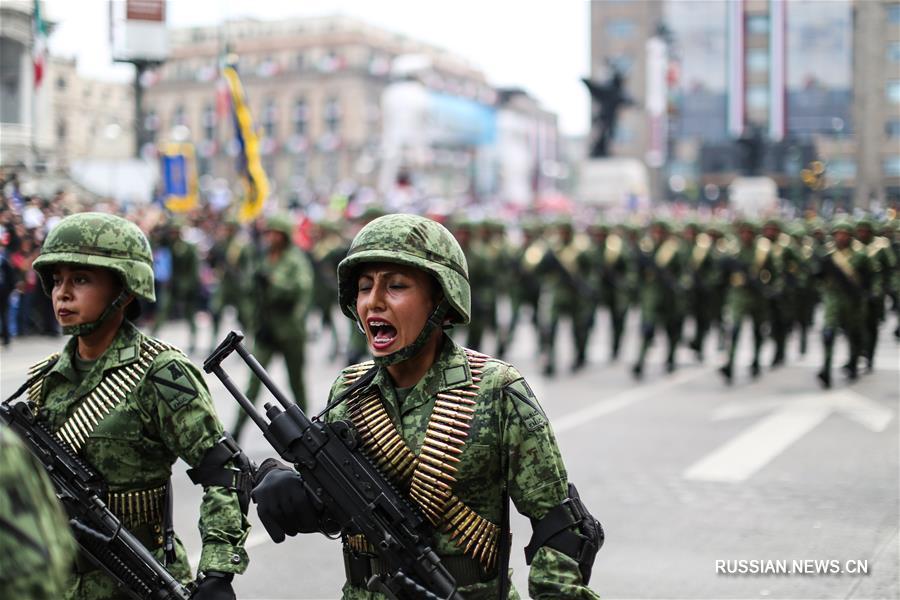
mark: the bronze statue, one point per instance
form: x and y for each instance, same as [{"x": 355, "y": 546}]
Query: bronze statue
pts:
[{"x": 608, "y": 97}]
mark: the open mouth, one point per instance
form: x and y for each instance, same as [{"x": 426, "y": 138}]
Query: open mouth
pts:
[{"x": 383, "y": 333}]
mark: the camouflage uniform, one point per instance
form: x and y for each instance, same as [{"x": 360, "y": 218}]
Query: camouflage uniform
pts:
[
  {"x": 785, "y": 271},
  {"x": 36, "y": 548},
  {"x": 509, "y": 445},
  {"x": 661, "y": 273},
  {"x": 703, "y": 276},
  {"x": 159, "y": 410},
  {"x": 804, "y": 291},
  {"x": 524, "y": 284},
  {"x": 847, "y": 277},
  {"x": 183, "y": 298},
  {"x": 283, "y": 296},
  {"x": 566, "y": 267},
  {"x": 325, "y": 255},
  {"x": 229, "y": 257},
  {"x": 505, "y": 449},
  {"x": 508, "y": 422},
  {"x": 749, "y": 272},
  {"x": 884, "y": 266},
  {"x": 166, "y": 416},
  {"x": 610, "y": 267}
]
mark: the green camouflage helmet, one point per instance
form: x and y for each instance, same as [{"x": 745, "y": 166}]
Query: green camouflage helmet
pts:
[
  {"x": 843, "y": 224},
  {"x": 281, "y": 223},
  {"x": 100, "y": 240},
  {"x": 414, "y": 241}
]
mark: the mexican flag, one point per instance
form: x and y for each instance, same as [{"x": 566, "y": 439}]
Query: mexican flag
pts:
[{"x": 39, "y": 44}]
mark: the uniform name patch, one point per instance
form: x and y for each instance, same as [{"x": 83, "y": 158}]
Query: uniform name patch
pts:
[{"x": 174, "y": 385}]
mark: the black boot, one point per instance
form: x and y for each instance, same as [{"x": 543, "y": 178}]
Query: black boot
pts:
[
  {"x": 725, "y": 370},
  {"x": 754, "y": 369},
  {"x": 637, "y": 371},
  {"x": 824, "y": 378}
]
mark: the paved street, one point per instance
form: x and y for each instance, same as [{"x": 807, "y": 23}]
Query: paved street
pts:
[{"x": 682, "y": 471}]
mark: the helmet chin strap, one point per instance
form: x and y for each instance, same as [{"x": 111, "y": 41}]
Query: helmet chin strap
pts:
[
  {"x": 435, "y": 321},
  {"x": 89, "y": 328}
]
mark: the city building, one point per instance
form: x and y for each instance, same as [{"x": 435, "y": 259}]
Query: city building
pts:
[
  {"x": 817, "y": 79},
  {"x": 24, "y": 139},
  {"x": 876, "y": 106},
  {"x": 315, "y": 89},
  {"x": 89, "y": 119}
]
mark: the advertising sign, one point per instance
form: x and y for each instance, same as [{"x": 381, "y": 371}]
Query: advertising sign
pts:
[{"x": 137, "y": 30}]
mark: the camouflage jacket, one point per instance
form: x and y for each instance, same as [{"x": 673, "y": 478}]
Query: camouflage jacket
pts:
[
  {"x": 166, "y": 415},
  {"x": 36, "y": 548},
  {"x": 281, "y": 296},
  {"x": 509, "y": 440}
]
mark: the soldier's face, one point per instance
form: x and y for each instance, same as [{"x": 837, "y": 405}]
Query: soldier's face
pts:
[
  {"x": 864, "y": 234},
  {"x": 393, "y": 302},
  {"x": 81, "y": 294},
  {"x": 841, "y": 238}
]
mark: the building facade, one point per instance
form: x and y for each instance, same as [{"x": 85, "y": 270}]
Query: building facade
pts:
[
  {"x": 876, "y": 107},
  {"x": 314, "y": 87},
  {"x": 818, "y": 79}
]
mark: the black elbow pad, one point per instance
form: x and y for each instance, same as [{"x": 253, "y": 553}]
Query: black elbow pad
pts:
[
  {"x": 570, "y": 529},
  {"x": 226, "y": 465}
]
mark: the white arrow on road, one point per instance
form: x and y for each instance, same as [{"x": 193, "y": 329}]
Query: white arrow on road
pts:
[{"x": 751, "y": 450}]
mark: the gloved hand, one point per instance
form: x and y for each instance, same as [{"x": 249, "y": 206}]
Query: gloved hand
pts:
[
  {"x": 284, "y": 505},
  {"x": 215, "y": 586}
]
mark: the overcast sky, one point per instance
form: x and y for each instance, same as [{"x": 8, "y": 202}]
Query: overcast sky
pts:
[{"x": 539, "y": 45}]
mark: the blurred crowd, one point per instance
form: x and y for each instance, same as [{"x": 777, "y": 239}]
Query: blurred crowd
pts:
[{"x": 684, "y": 273}]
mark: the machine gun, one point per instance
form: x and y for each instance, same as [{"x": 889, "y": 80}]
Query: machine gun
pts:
[
  {"x": 357, "y": 494},
  {"x": 97, "y": 530}
]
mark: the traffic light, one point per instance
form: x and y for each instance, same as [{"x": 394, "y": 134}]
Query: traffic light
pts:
[{"x": 814, "y": 175}]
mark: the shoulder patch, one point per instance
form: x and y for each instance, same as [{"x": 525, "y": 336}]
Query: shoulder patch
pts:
[
  {"x": 173, "y": 384},
  {"x": 527, "y": 405},
  {"x": 454, "y": 375}
]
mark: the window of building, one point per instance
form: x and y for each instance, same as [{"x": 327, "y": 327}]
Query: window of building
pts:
[
  {"x": 893, "y": 14},
  {"x": 332, "y": 115},
  {"x": 269, "y": 118},
  {"x": 891, "y": 166},
  {"x": 893, "y": 91},
  {"x": 61, "y": 130},
  {"x": 842, "y": 169},
  {"x": 60, "y": 83},
  {"x": 622, "y": 29},
  {"x": 622, "y": 62},
  {"x": 893, "y": 52},
  {"x": 757, "y": 60},
  {"x": 178, "y": 118},
  {"x": 300, "y": 61},
  {"x": 892, "y": 128},
  {"x": 300, "y": 116},
  {"x": 209, "y": 121},
  {"x": 758, "y": 24},
  {"x": 757, "y": 97}
]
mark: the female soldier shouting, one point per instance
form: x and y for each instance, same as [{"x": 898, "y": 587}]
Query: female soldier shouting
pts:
[
  {"x": 130, "y": 405},
  {"x": 457, "y": 431}
]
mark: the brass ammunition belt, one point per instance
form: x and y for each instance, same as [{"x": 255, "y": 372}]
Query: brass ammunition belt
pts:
[
  {"x": 465, "y": 570},
  {"x": 138, "y": 507}
]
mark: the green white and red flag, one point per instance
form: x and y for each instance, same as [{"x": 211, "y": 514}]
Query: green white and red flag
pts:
[{"x": 39, "y": 44}]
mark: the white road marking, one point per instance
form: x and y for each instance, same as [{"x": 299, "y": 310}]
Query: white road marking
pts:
[
  {"x": 624, "y": 399},
  {"x": 751, "y": 450}
]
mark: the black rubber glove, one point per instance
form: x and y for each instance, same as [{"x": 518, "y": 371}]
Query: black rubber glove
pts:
[
  {"x": 284, "y": 505},
  {"x": 215, "y": 586}
]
